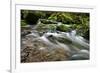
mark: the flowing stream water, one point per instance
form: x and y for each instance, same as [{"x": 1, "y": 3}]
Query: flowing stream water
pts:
[{"x": 75, "y": 45}]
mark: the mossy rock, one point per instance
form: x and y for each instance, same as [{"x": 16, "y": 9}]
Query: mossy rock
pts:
[
  {"x": 46, "y": 21},
  {"x": 63, "y": 28},
  {"x": 45, "y": 27},
  {"x": 61, "y": 17}
]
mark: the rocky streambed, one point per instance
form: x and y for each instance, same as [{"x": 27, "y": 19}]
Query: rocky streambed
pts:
[{"x": 40, "y": 46}]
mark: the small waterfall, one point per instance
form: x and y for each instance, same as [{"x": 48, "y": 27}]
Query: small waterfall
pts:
[
  {"x": 73, "y": 33},
  {"x": 53, "y": 38},
  {"x": 47, "y": 38},
  {"x": 77, "y": 40}
]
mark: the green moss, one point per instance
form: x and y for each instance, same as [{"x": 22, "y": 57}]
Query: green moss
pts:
[
  {"x": 23, "y": 23},
  {"x": 61, "y": 17},
  {"x": 52, "y": 27},
  {"x": 63, "y": 28}
]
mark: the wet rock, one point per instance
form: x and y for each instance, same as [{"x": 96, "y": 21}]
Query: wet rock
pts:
[
  {"x": 37, "y": 51},
  {"x": 81, "y": 55}
]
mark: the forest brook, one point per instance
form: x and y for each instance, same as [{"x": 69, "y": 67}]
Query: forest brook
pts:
[{"x": 54, "y": 36}]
